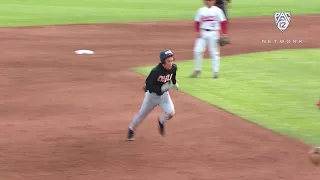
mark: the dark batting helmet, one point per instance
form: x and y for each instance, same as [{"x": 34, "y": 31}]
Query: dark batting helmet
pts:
[{"x": 165, "y": 54}]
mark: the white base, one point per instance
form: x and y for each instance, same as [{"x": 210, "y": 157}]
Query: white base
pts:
[{"x": 84, "y": 52}]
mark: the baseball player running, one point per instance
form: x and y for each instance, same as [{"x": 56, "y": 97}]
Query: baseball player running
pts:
[
  {"x": 209, "y": 20},
  {"x": 156, "y": 90}
]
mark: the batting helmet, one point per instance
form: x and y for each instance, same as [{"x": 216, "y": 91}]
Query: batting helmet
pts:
[{"x": 165, "y": 54}]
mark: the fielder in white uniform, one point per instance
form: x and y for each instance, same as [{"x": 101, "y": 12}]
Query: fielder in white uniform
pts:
[{"x": 210, "y": 21}]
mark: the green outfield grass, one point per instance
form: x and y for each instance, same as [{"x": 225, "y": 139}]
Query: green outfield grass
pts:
[
  {"x": 48, "y": 12},
  {"x": 277, "y": 90}
]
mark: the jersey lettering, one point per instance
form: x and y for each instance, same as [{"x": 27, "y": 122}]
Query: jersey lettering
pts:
[
  {"x": 164, "y": 79},
  {"x": 158, "y": 76},
  {"x": 207, "y": 18}
]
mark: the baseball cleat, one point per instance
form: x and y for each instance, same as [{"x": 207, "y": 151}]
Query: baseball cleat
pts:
[
  {"x": 195, "y": 74},
  {"x": 130, "y": 136},
  {"x": 161, "y": 128},
  {"x": 216, "y": 75}
]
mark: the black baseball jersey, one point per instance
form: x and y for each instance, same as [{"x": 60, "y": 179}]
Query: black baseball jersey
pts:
[{"x": 159, "y": 76}]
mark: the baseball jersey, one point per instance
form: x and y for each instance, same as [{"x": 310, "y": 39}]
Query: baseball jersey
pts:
[
  {"x": 210, "y": 18},
  {"x": 159, "y": 76}
]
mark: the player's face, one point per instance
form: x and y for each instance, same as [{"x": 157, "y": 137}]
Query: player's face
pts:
[
  {"x": 169, "y": 62},
  {"x": 210, "y": 2}
]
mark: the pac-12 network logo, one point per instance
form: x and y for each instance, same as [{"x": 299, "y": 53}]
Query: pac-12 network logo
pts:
[{"x": 282, "y": 20}]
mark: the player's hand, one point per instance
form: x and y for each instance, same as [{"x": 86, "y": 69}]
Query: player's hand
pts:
[
  {"x": 223, "y": 40},
  {"x": 165, "y": 87},
  {"x": 175, "y": 86}
]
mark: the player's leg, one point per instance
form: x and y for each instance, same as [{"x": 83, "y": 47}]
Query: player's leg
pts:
[
  {"x": 167, "y": 106},
  {"x": 198, "y": 50},
  {"x": 214, "y": 50},
  {"x": 150, "y": 101}
]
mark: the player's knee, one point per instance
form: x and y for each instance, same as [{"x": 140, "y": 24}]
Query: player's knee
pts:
[
  {"x": 214, "y": 54},
  {"x": 197, "y": 51},
  {"x": 171, "y": 114}
]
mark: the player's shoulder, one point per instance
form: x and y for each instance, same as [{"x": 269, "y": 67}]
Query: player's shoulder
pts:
[
  {"x": 202, "y": 8},
  {"x": 216, "y": 8},
  {"x": 174, "y": 67},
  {"x": 156, "y": 68}
]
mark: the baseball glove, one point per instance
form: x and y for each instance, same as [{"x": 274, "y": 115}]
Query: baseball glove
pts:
[
  {"x": 224, "y": 40},
  {"x": 314, "y": 155}
]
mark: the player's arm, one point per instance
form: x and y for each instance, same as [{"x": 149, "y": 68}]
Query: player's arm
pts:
[
  {"x": 223, "y": 23},
  {"x": 197, "y": 23},
  {"x": 173, "y": 79},
  {"x": 224, "y": 27}
]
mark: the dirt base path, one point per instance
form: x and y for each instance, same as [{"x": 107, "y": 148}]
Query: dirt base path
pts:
[{"x": 65, "y": 116}]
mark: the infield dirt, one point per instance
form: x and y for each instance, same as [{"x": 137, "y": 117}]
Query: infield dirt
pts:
[{"x": 65, "y": 116}]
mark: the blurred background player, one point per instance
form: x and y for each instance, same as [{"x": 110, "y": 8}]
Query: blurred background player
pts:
[{"x": 224, "y": 5}]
